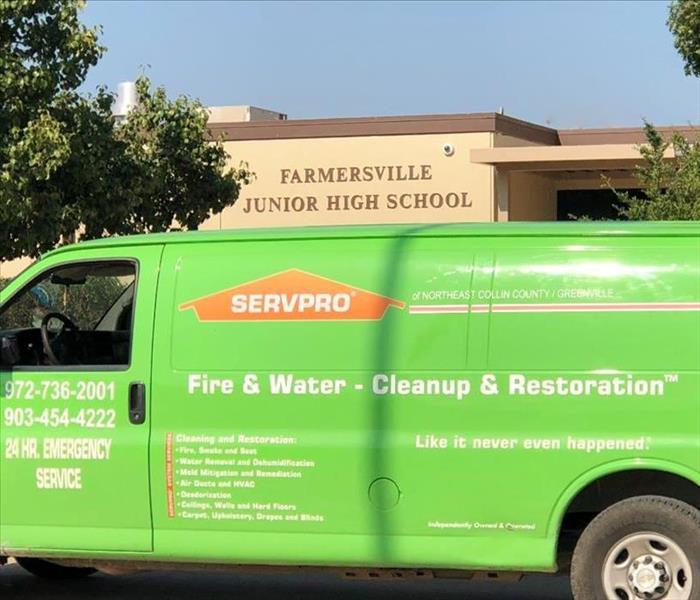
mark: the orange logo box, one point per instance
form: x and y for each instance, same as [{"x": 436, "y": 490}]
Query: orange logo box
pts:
[{"x": 292, "y": 295}]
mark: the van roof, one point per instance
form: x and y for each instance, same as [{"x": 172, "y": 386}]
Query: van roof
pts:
[{"x": 519, "y": 229}]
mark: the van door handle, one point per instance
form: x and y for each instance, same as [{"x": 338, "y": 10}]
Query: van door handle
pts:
[{"x": 137, "y": 403}]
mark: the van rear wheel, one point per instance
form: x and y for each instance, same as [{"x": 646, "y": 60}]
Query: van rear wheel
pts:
[
  {"x": 48, "y": 570},
  {"x": 645, "y": 548}
]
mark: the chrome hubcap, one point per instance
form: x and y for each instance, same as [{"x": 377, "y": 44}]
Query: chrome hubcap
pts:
[
  {"x": 649, "y": 566},
  {"x": 649, "y": 578}
]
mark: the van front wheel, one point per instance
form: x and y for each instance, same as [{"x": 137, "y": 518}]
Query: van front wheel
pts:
[
  {"x": 646, "y": 547},
  {"x": 48, "y": 570}
]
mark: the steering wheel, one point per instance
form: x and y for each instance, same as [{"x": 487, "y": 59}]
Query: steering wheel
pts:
[{"x": 68, "y": 325}]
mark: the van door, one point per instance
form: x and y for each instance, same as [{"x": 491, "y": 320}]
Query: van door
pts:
[
  {"x": 285, "y": 433},
  {"x": 76, "y": 374}
]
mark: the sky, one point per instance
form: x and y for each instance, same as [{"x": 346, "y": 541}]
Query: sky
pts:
[{"x": 563, "y": 64}]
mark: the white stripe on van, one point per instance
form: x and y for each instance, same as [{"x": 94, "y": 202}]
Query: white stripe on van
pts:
[
  {"x": 429, "y": 309},
  {"x": 599, "y": 307},
  {"x": 424, "y": 309}
]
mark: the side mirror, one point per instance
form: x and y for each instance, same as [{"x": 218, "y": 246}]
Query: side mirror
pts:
[{"x": 9, "y": 351}]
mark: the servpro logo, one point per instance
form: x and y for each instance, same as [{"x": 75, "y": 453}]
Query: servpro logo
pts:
[{"x": 292, "y": 295}]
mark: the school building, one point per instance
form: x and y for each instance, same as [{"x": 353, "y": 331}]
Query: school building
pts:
[{"x": 485, "y": 167}]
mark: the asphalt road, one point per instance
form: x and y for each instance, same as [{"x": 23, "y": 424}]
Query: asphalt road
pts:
[{"x": 15, "y": 584}]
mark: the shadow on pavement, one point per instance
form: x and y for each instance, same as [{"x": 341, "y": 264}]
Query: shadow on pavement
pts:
[{"x": 15, "y": 584}]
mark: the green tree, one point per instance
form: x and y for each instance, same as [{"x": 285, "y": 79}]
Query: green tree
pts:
[
  {"x": 671, "y": 187},
  {"x": 66, "y": 164},
  {"x": 684, "y": 23}
]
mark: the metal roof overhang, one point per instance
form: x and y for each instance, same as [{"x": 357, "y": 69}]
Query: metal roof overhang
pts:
[{"x": 607, "y": 157}]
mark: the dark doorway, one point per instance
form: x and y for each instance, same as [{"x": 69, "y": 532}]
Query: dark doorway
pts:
[{"x": 598, "y": 205}]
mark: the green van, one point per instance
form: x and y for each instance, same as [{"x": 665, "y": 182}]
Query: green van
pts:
[{"x": 381, "y": 401}]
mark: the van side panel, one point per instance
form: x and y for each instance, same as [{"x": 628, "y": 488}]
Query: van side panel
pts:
[
  {"x": 339, "y": 441},
  {"x": 599, "y": 359},
  {"x": 412, "y": 401}
]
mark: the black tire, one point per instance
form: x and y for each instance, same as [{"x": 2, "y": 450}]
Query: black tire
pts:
[
  {"x": 673, "y": 519},
  {"x": 48, "y": 570}
]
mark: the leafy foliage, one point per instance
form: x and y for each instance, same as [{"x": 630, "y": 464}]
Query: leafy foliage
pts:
[
  {"x": 684, "y": 23},
  {"x": 671, "y": 187},
  {"x": 65, "y": 164},
  {"x": 175, "y": 177}
]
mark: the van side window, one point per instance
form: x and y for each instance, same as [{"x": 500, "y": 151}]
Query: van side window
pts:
[{"x": 76, "y": 314}]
